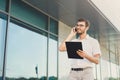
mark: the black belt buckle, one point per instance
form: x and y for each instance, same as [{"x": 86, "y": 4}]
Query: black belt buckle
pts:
[{"x": 77, "y": 69}]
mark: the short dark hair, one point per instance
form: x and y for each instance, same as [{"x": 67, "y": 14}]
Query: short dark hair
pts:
[{"x": 87, "y": 23}]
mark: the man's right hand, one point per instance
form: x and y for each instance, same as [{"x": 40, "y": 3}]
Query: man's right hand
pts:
[
  {"x": 62, "y": 46},
  {"x": 73, "y": 32}
]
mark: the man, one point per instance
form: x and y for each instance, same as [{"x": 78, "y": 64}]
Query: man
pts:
[{"x": 82, "y": 69}]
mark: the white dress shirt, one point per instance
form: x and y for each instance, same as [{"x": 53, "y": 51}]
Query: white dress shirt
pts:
[{"x": 91, "y": 47}]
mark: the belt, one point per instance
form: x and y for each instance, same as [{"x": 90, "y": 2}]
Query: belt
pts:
[{"x": 77, "y": 69}]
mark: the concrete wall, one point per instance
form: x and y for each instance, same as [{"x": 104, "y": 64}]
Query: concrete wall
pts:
[{"x": 64, "y": 63}]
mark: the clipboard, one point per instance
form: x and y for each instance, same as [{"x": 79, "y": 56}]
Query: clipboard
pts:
[{"x": 72, "y": 47}]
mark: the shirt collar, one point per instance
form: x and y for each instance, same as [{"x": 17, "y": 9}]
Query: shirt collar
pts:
[{"x": 87, "y": 37}]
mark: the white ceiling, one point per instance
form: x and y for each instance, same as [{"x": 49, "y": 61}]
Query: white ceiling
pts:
[{"x": 111, "y": 9}]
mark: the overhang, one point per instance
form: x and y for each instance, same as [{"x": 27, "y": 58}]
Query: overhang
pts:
[{"x": 69, "y": 11}]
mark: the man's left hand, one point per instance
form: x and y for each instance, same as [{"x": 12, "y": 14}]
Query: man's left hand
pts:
[{"x": 81, "y": 53}]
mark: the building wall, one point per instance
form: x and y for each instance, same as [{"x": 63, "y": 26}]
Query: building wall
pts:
[{"x": 64, "y": 64}]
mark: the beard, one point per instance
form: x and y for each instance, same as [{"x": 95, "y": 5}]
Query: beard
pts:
[{"x": 80, "y": 33}]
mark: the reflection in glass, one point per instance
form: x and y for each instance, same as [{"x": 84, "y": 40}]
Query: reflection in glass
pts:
[
  {"x": 52, "y": 62},
  {"x": 105, "y": 69},
  {"x": 53, "y": 26},
  {"x": 2, "y": 39},
  {"x": 98, "y": 72},
  {"x": 26, "y": 54},
  {"x": 3, "y": 4},
  {"x": 114, "y": 71},
  {"x": 94, "y": 72},
  {"x": 28, "y": 14}
]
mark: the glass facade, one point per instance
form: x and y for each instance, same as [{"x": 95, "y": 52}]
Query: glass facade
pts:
[
  {"x": 28, "y": 14},
  {"x": 25, "y": 52},
  {"x": 53, "y": 26},
  {"x": 29, "y": 53},
  {"x": 105, "y": 70},
  {"x": 29, "y": 46},
  {"x": 52, "y": 58},
  {"x": 2, "y": 40},
  {"x": 3, "y": 4}
]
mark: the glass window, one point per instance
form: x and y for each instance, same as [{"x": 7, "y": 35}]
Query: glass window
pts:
[
  {"x": 28, "y": 14},
  {"x": 2, "y": 41},
  {"x": 52, "y": 64},
  {"x": 26, "y": 54},
  {"x": 114, "y": 71},
  {"x": 3, "y": 4},
  {"x": 105, "y": 69},
  {"x": 112, "y": 44},
  {"x": 98, "y": 72},
  {"x": 53, "y": 26},
  {"x": 113, "y": 66},
  {"x": 105, "y": 53},
  {"x": 112, "y": 57},
  {"x": 94, "y": 72}
]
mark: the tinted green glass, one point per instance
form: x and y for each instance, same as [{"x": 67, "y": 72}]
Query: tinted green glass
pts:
[
  {"x": 53, "y": 26},
  {"x": 53, "y": 37},
  {"x": 2, "y": 4},
  {"x": 28, "y": 14}
]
